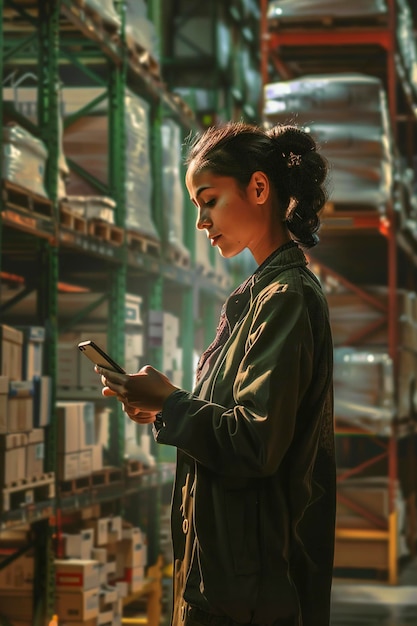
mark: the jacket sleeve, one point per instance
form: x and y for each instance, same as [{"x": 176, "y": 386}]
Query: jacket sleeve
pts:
[{"x": 251, "y": 437}]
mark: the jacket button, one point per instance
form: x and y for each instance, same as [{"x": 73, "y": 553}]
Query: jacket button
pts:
[{"x": 185, "y": 526}]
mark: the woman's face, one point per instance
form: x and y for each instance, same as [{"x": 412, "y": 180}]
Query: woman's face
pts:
[{"x": 233, "y": 218}]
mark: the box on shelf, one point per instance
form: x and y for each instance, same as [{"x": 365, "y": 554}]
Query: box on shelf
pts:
[
  {"x": 11, "y": 342},
  {"x": 42, "y": 386},
  {"x": 76, "y": 574},
  {"x": 79, "y": 545},
  {"x": 20, "y": 406},
  {"x": 100, "y": 527},
  {"x": 68, "y": 465},
  {"x": 67, "y": 364},
  {"x": 18, "y": 574},
  {"x": 35, "y": 452},
  {"x": 17, "y": 605},
  {"x": 32, "y": 352},
  {"x": 77, "y": 605},
  {"x": 4, "y": 393}
]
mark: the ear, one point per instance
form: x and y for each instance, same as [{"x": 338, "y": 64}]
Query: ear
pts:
[{"x": 259, "y": 185}]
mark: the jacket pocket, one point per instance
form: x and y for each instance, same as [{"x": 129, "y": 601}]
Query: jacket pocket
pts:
[{"x": 243, "y": 529}]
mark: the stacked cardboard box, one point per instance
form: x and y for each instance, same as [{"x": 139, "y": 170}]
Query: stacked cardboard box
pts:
[{"x": 25, "y": 409}]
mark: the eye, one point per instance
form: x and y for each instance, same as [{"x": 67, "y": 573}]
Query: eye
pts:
[{"x": 210, "y": 203}]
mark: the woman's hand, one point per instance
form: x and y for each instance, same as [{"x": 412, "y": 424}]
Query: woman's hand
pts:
[{"x": 142, "y": 394}]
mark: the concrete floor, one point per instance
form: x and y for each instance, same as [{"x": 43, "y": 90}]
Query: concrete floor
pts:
[{"x": 376, "y": 604}]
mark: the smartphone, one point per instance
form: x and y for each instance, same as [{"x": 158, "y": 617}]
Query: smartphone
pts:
[{"x": 99, "y": 357}]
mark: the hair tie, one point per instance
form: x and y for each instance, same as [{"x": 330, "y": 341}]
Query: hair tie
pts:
[{"x": 293, "y": 160}]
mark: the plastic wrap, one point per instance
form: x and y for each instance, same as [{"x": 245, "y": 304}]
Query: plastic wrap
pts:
[
  {"x": 89, "y": 207},
  {"x": 105, "y": 9},
  {"x": 138, "y": 167},
  {"x": 173, "y": 193},
  {"x": 25, "y": 100},
  {"x": 349, "y": 97},
  {"x": 139, "y": 28},
  {"x": 364, "y": 388},
  {"x": 406, "y": 39},
  {"x": 325, "y": 8},
  {"x": 24, "y": 159},
  {"x": 348, "y": 116},
  {"x": 361, "y": 181}
]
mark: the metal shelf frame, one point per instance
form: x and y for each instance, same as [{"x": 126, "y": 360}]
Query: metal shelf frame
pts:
[{"x": 276, "y": 40}]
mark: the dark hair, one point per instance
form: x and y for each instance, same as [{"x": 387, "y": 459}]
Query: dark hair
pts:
[{"x": 285, "y": 153}]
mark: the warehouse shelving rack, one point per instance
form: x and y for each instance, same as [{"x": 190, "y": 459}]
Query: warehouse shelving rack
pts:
[
  {"x": 51, "y": 34},
  {"x": 358, "y": 246}
]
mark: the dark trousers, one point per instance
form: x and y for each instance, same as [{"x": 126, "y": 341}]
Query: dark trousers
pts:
[{"x": 197, "y": 617}]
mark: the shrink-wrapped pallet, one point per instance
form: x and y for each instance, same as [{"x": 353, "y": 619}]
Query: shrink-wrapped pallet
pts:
[
  {"x": 328, "y": 98},
  {"x": 106, "y": 11},
  {"x": 311, "y": 9},
  {"x": 139, "y": 29},
  {"x": 347, "y": 114},
  {"x": 101, "y": 207},
  {"x": 138, "y": 167},
  {"x": 25, "y": 100},
  {"x": 86, "y": 141},
  {"x": 364, "y": 388},
  {"x": 172, "y": 187},
  {"x": 24, "y": 159}
]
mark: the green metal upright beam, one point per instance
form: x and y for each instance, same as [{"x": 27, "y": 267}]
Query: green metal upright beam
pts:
[
  {"x": 48, "y": 119},
  {"x": 117, "y": 180},
  {"x": 1, "y": 118}
]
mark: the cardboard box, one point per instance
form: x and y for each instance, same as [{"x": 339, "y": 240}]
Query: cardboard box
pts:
[
  {"x": 79, "y": 545},
  {"x": 12, "y": 458},
  {"x": 76, "y": 574},
  {"x": 18, "y": 575},
  {"x": 77, "y": 605},
  {"x": 35, "y": 452},
  {"x": 16, "y": 605},
  {"x": 100, "y": 526},
  {"x": 20, "y": 406},
  {"x": 68, "y": 465},
  {"x": 87, "y": 423},
  {"x": 32, "y": 353},
  {"x": 68, "y": 427},
  {"x": 42, "y": 400},
  {"x": 4, "y": 394},
  {"x": 11, "y": 341},
  {"x": 85, "y": 465},
  {"x": 67, "y": 365},
  {"x": 131, "y": 551},
  {"x": 133, "y": 306}
]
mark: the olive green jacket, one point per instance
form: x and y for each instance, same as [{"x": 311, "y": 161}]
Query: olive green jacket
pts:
[{"x": 255, "y": 439}]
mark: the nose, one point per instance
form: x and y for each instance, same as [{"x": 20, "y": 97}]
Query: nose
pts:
[{"x": 203, "y": 219}]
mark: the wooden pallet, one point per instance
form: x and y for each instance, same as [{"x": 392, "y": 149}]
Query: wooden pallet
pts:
[
  {"x": 86, "y": 11},
  {"x": 133, "y": 467},
  {"x": 27, "y": 492},
  {"x": 178, "y": 258},
  {"x": 17, "y": 197},
  {"x": 147, "y": 245},
  {"x": 72, "y": 220},
  {"x": 143, "y": 58},
  {"x": 105, "y": 231},
  {"x": 80, "y": 484},
  {"x": 203, "y": 270},
  {"x": 106, "y": 476}
]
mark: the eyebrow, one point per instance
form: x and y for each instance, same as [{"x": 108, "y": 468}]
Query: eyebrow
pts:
[{"x": 199, "y": 191}]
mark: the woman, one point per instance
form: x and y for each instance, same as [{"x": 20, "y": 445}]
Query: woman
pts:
[{"x": 254, "y": 498}]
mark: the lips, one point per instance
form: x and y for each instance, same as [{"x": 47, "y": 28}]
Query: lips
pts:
[{"x": 214, "y": 239}]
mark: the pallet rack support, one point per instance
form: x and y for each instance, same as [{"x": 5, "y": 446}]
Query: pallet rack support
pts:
[{"x": 385, "y": 37}]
